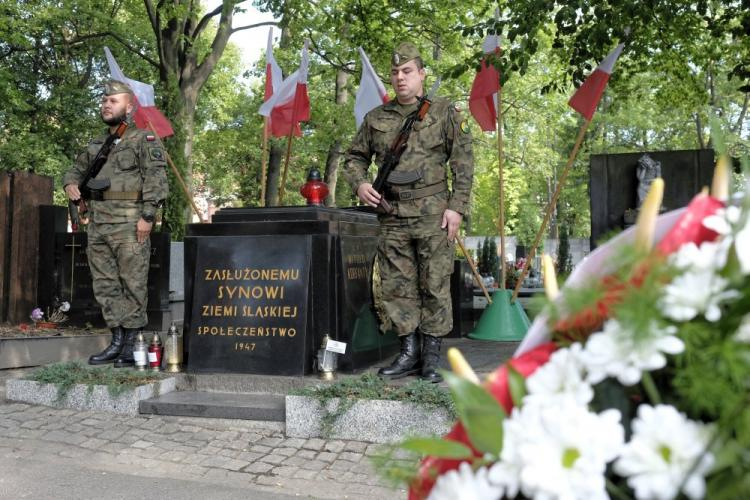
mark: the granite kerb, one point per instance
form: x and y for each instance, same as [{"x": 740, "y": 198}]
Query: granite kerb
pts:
[
  {"x": 83, "y": 397},
  {"x": 372, "y": 420}
]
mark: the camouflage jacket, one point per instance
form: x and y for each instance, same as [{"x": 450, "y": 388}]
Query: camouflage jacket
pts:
[
  {"x": 441, "y": 138},
  {"x": 135, "y": 164}
]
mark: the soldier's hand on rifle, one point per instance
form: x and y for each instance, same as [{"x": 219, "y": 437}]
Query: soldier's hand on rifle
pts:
[
  {"x": 452, "y": 221},
  {"x": 142, "y": 230},
  {"x": 72, "y": 191},
  {"x": 368, "y": 195}
]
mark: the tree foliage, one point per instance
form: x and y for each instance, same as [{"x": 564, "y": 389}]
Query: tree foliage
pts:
[{"x": 685, "y": 64}]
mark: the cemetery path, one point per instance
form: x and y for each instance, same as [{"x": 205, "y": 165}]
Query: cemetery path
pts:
[{"x": 64, "y": 453}]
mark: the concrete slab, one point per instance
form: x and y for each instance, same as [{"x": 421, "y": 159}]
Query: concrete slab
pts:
[
  {"x": 20, "y": 352},
  {"x": 267, "y": 407}
]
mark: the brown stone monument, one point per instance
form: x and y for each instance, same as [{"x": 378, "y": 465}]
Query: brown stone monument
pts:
[{"x": 21, "y": 194}]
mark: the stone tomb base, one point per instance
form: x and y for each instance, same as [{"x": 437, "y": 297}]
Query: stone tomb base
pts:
[{"x": 263, "y": 287}]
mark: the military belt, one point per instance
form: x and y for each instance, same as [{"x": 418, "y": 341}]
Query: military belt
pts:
[
  {"x": 122, "y": 195},
  {"x": 415, "y": 194}
]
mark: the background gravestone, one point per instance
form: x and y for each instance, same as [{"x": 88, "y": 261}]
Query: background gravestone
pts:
[
  {"x": 69, "y": 278},
  {"x": 21, "y": 194},
  {"x": 613, "y": 184}
]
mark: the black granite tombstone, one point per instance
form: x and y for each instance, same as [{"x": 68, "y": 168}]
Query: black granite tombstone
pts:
[
  {"x": 613, "y": 184},
  {"x": 462, "y": 298},
  {"x": 264, "y": 285},
  {"x": 52, "y": 220},
  {"x": 71, "y": 280}
]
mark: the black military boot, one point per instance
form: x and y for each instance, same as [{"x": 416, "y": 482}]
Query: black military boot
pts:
[
  {"x": 431, "y": 359},
  {"x": 407, "y": 362},
  {"x": 125, "y": 358},
  {"x": 113, "y": 350}
]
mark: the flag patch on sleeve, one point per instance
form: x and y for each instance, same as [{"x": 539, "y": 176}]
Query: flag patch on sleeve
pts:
[{"x": 150, "y": 138}]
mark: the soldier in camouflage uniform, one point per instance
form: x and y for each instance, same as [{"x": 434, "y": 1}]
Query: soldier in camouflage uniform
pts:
[
  {"x": 416, "y": 244},
  {"x": 118, "y": 234}
]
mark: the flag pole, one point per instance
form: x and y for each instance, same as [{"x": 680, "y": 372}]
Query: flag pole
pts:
[
  {"x": 474, "y": 269},
  {"x": 179, "y": 177},
  {"x": 263, "y": 163},
  {"x": 288, "y": 147},
  {"x": 550, "y": 208},
  {"x": 501, "y": 217}
]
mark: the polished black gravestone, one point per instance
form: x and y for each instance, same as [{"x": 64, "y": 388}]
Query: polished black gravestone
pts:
[
  {"x": 71, "y": 280},
  {"x": 462, "y": 299},
  {"x": 264, "y": 285},
  {"x": 613, "y": 185}
]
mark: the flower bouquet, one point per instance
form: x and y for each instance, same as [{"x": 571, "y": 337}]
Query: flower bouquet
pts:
[
  {"x": 633, "y": 383},
  {"x": 55, "y": 315}
]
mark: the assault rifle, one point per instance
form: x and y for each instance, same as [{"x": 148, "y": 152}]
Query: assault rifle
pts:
[
  {"x": 90, "y": 187},
  {"x": 393, "y": 156}
]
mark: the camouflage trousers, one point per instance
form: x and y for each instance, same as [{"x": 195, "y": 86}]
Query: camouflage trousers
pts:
[
  {"x": 415, "y": 260},
  {"x": 119, "y": 268}
]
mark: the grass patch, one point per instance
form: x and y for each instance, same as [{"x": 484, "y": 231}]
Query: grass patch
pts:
[
  {"x": 69, "y": 374},
  {"x": 370, "y": 386}
]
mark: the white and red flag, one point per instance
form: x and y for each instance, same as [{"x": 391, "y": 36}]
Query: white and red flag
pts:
[
  {"x": 483, "y": 96},
  {"x": 290, "y": 104},
  {"x": 371, "y": 93},
  {"x": 590, "y": 92},
  {"x": 273, "y": 71},
  {"x": 146, "y": 112}
]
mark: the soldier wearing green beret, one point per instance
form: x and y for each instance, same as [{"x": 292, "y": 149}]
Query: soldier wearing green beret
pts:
[
  {"x": 416, "y": 244},
  {"x": 120, "y": 224}
]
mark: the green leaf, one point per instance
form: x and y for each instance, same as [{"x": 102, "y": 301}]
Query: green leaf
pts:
[
  {"x": 479, "y": 412},
  {"x": 517, "y": 385},
  {"x": 437, "y": 447}
]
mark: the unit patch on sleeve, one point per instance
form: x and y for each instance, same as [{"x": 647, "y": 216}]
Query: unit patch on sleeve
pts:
[{"x": 465, "y": 126}]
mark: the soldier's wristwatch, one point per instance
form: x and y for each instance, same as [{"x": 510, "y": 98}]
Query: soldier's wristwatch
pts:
[{"x": 147, "y": 217}]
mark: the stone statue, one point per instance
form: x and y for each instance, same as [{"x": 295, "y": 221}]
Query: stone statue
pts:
[{"x": 648, "y": 169}]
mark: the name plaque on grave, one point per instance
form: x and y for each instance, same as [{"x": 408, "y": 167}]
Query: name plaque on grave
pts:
[{"x": 249, "y": 307}]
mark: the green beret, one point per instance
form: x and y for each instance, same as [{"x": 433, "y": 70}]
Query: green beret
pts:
[
  {"x": 405, "y": 52},
  {"x": 112, "y": 87}
]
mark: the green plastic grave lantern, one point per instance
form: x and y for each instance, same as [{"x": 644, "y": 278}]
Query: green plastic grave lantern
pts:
[{"x": 502, "y": 321}]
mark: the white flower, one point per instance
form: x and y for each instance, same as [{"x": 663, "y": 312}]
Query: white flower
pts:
[
  {"x": 465, "y": 484},
  {"x": 743, "y": 332},
  {"x": 742, "y": 248},
  {"x": 723, "y": 220},
  {"x": 559, "y": 451},
  {"x": 562, "y": 375},
  {"x": 709, "y": 256},
  {"x": 693, "y": 293},
  {"x": 618, "y": 352},
  {"x": 664, "y": 449}
]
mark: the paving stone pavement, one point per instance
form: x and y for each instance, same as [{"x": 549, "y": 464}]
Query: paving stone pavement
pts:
[{"x": 226, "y": 452}]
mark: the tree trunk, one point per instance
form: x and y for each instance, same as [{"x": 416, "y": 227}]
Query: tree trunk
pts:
[
  {"x": 272, "y": 180},
  {"x": 332, "y": 172},
  {"x": 699, "y": 131},
  {"x": 335, "y": 151}
]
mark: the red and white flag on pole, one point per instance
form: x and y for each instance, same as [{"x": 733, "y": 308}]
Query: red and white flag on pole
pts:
[
  {"x": 371, "y": 93},
  {"x": 145, "y": 110},
  {"x": 483, "y": 96},
  {"x": 590, "y": 92},
  {"x": 290, "y": 104},
  {"x": 273, "y": 71}
]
